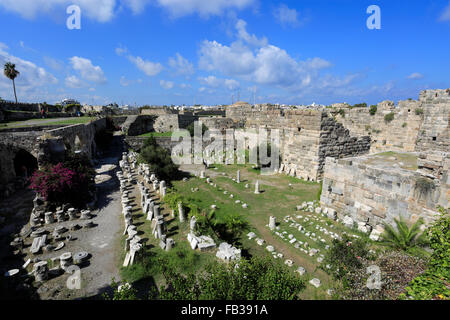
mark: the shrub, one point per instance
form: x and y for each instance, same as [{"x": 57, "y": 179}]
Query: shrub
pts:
[
  {"x": 359, "y": 105},
  {"x": 389, "y": 117},
  {"x": 344, "y": 256},
  {"x": 69, "y": 182},
  {"x": 255, "y": 279},
  {"x": 419, "y": 111},
  {"x": 349, "y": 265},
  {"x": 126, "y": 292},
  {"x": 190, "y": 128},
  {"x": 342, "y": 113},
  {"x": 404, "y": 125},
  {"x": 434, "y": 283},
  {"x": 404, "y": 238},
  {"x": 373, "y": 109},
  {"x": 159, "y": 160}
]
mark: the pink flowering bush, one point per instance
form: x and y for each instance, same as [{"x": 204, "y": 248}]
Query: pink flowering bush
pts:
[{"x": 71, "y": 182}]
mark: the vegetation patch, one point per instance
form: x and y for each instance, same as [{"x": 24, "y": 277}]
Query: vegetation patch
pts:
[{"x": 389, "y": 117}]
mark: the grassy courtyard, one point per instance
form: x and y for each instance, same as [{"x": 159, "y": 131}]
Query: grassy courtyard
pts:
[{"x": 279, "y": 197}]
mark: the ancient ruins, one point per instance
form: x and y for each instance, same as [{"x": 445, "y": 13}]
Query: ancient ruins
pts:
[{"x": 373, "y": 168}]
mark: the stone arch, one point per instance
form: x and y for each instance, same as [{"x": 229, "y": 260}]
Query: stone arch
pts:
[{"x": 24, "y": 163}]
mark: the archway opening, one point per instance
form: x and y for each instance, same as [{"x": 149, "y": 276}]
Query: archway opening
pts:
[{"x": 25, "y": 164}]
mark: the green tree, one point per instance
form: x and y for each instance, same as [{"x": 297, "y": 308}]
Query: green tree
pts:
[
  {"x": 190, "y": 128},
  {"x": 11, "y": 73},
  {"x": 159, "y": 160},
  {"x": 404, "y": 238}
]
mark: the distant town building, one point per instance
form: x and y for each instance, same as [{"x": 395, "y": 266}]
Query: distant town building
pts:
[{"x": 66, "y": 102}]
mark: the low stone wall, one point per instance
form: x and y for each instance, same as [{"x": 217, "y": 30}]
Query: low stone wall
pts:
[
  {"x": 28, "y": 107},
  {"x": 375, "y": 195},
  {"x": 26, "y": 115}
]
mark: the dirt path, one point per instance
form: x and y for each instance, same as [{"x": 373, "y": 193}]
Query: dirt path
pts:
[{"x": 102, "y": 241}]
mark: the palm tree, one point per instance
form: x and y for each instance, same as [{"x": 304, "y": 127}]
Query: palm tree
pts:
[
  {"x": 404, "y": 238},
  {"x": 11, "y": 73}
]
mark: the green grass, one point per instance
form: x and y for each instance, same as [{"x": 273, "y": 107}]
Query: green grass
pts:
[
  {"x": 409, "y": 160},
  {"x": 46, "y": 122},
  {"x": 156, "y": 134},
  {"x": 280, "y": 196}
]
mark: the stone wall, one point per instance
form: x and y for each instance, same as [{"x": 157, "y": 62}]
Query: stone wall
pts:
[
  {"x": 28, "y": 107},
  {"x": 307, "y": 137},
  {"x": 166, "y": 123},
  {"x": 377, "y": 194},
  {"x": 78, "y": 137},
  {"x": 27, "y": 115},
  {"x": 10, "y": 145},
  {"x": 398, "y": 135},
  {"x": 218, "y": 123},
  {"x": 156, "y": 111},
  {"x": 137, "y": 125},
  {"x": 434, "y": 133}
]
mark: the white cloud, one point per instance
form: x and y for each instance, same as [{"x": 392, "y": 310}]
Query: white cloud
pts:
[
  {"x": 210, "y": 81},
  {"x": 53, "y": 63},
  {"x": 213, "y": 82},
  {"x": 181, "y": 65},
  {"x": 205, "y": 8},
  {"x": 241, "y": 26},
  {"x": 445, "y": 16},
  {"x": 30, "y": 80},
  {"x": 100, "y": 10},
  {"x": 121, "y": 51},
  {"x": 136, "y": 6},
  {"x": 256, "y": 61},
  {"x": 74, "y": 82},
  {"x": 267, "y": 65},
  {"x": 184, "y": 86},
  {"x": 286, "y": 16},
  {"x": 166, "y": 84},
  {"x": 232, "y": 84},
  {"x": 124, "y": 82},
  {"x": 415, "y": 76},
  {"x": 87, "y": 70},
  {"x": 149, "y": 68}
]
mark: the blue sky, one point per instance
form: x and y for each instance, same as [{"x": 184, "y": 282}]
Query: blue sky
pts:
[{"x": 186, "y": 51}]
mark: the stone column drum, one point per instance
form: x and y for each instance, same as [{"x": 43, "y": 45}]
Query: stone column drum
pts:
[{"x": 272, "y": 223}]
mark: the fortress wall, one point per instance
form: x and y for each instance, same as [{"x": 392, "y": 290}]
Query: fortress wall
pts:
[
  {"x": 398, "y": 135},
  {"x": 434, "y": 133},
  {"x": 378, "y": 194}
]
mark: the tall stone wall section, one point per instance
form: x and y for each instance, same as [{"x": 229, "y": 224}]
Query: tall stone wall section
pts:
[
  {"x": 307, "y": 137},
  {"x": 336, "y": 142},
  {"x": 434, "y": 133},
  {"x": 399, "y": 135}
]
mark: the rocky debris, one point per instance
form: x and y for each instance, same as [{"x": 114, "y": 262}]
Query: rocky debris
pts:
[
  {"x": 228, "y": 253},
  {"x": 315, "y": 282}
]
